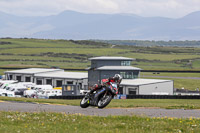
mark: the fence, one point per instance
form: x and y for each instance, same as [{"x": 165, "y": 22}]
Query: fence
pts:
[{"x": 134, "y": 97}]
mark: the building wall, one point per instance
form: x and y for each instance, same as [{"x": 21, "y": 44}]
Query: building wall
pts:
[
  {"x": 107, "y": 74},
  {"x": 127, "y": 89},
  {"x": 82, "y": 82},
  {"x": 100, "y": 63},
  {"x": 150, "y": 89},
  {"x": 23, "y": 76},
  {"x": 93, "y": 77}
]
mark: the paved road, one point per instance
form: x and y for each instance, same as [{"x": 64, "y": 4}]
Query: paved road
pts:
[{"x": 151, "y": 112}]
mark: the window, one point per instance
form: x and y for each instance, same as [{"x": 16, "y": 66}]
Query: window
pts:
[
  {"x": 49, "y": 81},
  {"x": 120, "y": 90},
  {"x": 19, "y": 78},
  {"x": 70, "y": 82},
  {"x": 128, "y": 75},
  {"x": 27, "y": 79},
  {"x": 132, "y": 91},
  {"x": 80, "y": 86},
  {"x": 125, "y": 63},
  {"x": 59, "y": 83},
  {"x": 68, "y": 88},
  {"x": 39, "y": 82},
  {"x": 10, "y": 77}
]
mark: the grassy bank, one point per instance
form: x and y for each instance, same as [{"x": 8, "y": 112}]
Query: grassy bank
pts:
[
  {"x": 62, "y": 123},
  {"x": 127, "y": 103},
  {"x": 74, "y": 54},
  {"x": 170, "y": 74},
  {"x": 190, "y": 84},
  {"x": 178, "y": 78}
]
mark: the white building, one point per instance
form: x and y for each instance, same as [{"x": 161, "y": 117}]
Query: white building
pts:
[
  {"x": 146, "y": 87},
  {"x": 60, "y": 78},
  {"x": 54, "y": 77}
]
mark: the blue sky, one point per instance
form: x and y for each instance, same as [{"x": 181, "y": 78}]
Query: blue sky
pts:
[{"x": 148, "y": 8}]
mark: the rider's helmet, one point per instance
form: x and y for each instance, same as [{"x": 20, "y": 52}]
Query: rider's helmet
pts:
[{"x": 117, "y": 78}]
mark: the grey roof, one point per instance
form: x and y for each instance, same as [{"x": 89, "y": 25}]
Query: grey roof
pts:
[
  {"x": 110, "y": 58},
  {"x": 118, "y": 68},
  {"x": 65, "y": 75},
  {"x": 34, "y": 70},
  {"x": 138, "y": 82}
]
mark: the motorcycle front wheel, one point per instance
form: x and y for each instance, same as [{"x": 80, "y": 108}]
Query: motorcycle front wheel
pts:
[
  {"x": 104, "y": 101},
  {"x": 84, "y": 102}
]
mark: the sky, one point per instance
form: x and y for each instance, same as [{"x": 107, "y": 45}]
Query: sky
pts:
[{"x": 146, "y": 8}]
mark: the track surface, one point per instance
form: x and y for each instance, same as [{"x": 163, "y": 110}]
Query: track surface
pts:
[{"x": 151, "y": 112}]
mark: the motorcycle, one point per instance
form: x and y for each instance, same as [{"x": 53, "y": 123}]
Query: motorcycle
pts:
[{"x": 101, "y": 98}]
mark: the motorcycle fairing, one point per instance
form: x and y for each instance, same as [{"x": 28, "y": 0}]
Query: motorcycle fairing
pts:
[{"x": 95, "y": 98}]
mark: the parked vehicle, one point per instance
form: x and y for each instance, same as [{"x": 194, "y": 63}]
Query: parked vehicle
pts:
[
  {"x": 27, "y": 84},
  {"x": 19, "y": 88},
  {"x": 4, "y": 83},
  {"x": 47, "y": 93},
  {"x": 7, "y": 93},
  {"x": 32, "y": 93},
  {"x": 101, "y": 98},
  {"x": 84, "y": 92}
]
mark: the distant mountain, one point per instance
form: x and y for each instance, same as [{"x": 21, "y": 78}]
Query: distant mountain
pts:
[{"x": 75, "y": 25}]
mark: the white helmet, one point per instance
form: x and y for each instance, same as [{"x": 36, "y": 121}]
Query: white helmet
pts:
[{"x": 117, "y": 78}]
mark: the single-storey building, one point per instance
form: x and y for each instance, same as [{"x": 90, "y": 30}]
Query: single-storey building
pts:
[
  {"x": 57, "y": 79},
  {"x": 146, "y": 87},
  {"x": 27, "y": 75},
  {"x": 54, "y": 77}
]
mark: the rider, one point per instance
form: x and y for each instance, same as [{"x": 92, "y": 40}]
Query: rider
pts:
[{"x": 107, "y": 82}]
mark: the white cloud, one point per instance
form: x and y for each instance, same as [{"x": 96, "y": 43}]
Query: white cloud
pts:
[{"x": 166, "y": 8}]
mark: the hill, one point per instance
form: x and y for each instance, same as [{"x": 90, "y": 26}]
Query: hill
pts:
[{"x": 75, "y": 25}]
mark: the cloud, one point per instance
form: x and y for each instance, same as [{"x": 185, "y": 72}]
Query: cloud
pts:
[{"x": 166, "y": 8}]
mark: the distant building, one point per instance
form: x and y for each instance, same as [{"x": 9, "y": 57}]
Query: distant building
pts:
[
  {"x": 27, "y": 75},
  {"x": 101, "y": 67},
  {"x": 105, "y": 67},
  {"x": 147, "y": 87},
  {"x": 57, "y": 79},
  {"x": 54, "y": 77}
]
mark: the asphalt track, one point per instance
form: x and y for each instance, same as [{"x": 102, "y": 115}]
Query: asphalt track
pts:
[{"x": 150, "y": 112}]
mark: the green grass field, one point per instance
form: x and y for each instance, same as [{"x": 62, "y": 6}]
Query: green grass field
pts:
[
  {"x": 27, "y": 53},
  {"x": 12, "y": 122},
  {"x": 190, "y": 84},
  {"x": 75, "y": 54},
  {"x": 170, "y": 74}
]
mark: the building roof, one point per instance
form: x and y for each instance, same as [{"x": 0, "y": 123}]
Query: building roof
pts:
[
  {"x": 118, "y": 68},
  {"x": 65, "y": 75},
  {"x": 33, "y": 70},
  {"x": 138, "y": 82},
  {"x": 111, "y": 58}
]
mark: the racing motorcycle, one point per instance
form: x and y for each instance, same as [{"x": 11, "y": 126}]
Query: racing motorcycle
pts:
[{"x": 101, "y": 97}]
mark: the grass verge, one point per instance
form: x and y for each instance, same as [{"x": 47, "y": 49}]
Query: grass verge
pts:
[{"x": 61, "y": 123}]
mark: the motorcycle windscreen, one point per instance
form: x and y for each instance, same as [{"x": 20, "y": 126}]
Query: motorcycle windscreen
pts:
[{"x": 114, "y": 88}]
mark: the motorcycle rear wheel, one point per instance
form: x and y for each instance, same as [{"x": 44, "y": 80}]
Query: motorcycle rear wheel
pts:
[
  {"x": 104, "y": 101},
  {"x": 84, "y": 102}
]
